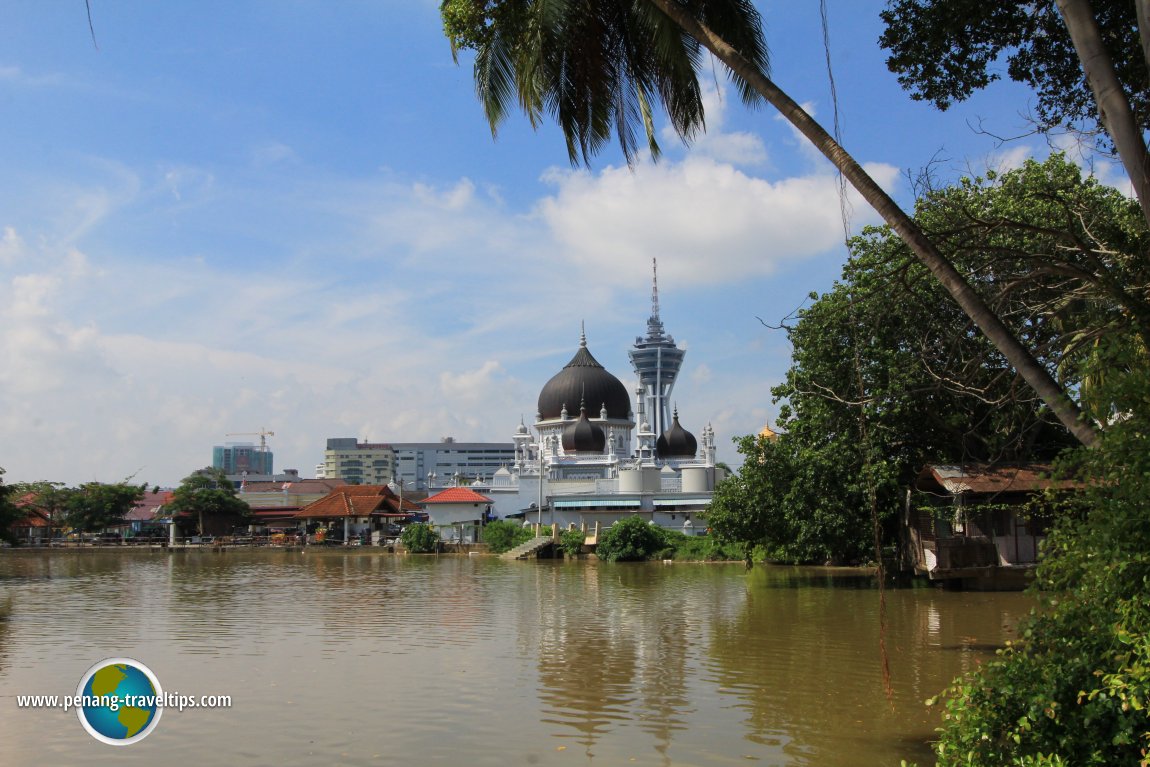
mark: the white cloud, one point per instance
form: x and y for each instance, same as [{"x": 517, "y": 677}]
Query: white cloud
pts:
[
  {"x": 1009, "y": 159},
  {"x": 706, "y": 221}
]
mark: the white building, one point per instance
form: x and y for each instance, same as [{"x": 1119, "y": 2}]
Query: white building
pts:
[
  {"x": 414, "y": 466},
  {"x": 423, "y": 466},
  {"x": 457, "y": 513}
]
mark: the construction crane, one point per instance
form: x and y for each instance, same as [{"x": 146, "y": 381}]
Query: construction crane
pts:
[{"x": 263, "y": 434}]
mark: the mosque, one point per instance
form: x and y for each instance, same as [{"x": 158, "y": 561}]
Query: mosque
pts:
[{"x": 597, "y": 453}]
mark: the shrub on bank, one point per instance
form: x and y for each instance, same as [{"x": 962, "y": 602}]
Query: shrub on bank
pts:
[
  {"x": 419, "y": 538},
  {"x": 571, "y": 542},
  {"x": 630, "y": 540},
  {"x": 501, "y": 535},
  {"x": 700, "y": 548}
]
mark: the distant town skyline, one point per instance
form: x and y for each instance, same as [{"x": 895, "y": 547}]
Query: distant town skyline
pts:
[{"x": 294, "y": 217}]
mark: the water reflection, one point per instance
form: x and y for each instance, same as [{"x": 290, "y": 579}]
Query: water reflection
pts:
[
  {"x": 361, "y": 658},
  {"x": 614, "y": 652},
  {"x": 803, "y": 660}
]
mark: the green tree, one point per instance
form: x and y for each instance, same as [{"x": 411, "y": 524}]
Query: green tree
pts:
[
  {"x": 1087, "y": 62},
  {"x": 887, "y": 376},
  {"x": 420, "y": 538},
  {"x": 95, "y": 506},
  {"x": 943, "y": 51},
  {"x": 571, "y": 542},
  {"x": 596, "y": 67},
  {"x": 207, "y": 493},
  {"x": 10, "y": 513},
  {"x": 748, "y": 506},
  {"x": 501, "y": 535},
  {"x": 632, "y": 539},
  {"x": 47, "y": 497}
]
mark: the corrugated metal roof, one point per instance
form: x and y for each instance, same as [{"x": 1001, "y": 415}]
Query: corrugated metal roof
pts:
[
  {"x": 986, "y": 479},
  {"x": 682, "y": 501}
]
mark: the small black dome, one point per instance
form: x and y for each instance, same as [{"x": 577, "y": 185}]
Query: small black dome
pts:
[
  {"x": 583, "y": 379},
  {"x": 676, "y": 442},
  {"x": 582, "y": 436}
]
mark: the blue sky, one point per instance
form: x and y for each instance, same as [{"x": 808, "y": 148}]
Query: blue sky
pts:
[{"x": 291, "y": 215}]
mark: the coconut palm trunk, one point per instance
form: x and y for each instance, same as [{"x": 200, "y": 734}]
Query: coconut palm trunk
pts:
[
  {"x": 1142, "y": 11},
  {"x": 972, "y": 303},
  {"x": 1113, "y": 105}
]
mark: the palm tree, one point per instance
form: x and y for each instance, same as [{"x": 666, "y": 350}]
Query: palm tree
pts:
[{"x": 596, "y": 65}]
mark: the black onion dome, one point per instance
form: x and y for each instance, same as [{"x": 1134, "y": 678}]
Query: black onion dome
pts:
[
  {"x": 583, "y": 379},
  {"x": 582, "y": 436},
  {"x": 676, "y": 442}
]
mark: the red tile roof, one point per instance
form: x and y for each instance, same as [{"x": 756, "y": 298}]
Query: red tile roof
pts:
[
  {"x": 358, "y": 501},
  {"x": 155, "y": 500},
  {"x": 457, "y": 495},
  {"x": 34, "y": 518}
]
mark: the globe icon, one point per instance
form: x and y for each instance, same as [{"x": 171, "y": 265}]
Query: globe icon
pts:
[{"x": 121, "y": 701}]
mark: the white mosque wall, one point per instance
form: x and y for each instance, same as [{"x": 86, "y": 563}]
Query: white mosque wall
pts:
[
  {"x": 697, "y": 479},
  {"x": 630, "y": 481}
]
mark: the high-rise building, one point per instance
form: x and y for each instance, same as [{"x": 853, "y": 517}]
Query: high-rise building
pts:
[
  {"x": 242, "y": 458},
  {"x": 358, "y": 463}
]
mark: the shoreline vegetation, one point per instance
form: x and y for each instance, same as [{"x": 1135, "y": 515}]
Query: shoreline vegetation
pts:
[{"x": 705, "y": 552}]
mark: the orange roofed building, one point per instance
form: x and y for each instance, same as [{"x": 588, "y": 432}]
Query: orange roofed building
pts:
[
  {"x": 357, "y": 511},
  {"x": 457, "y": 513}
]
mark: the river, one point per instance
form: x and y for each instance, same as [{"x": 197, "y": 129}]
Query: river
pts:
[{"x": 358, "y": 658}]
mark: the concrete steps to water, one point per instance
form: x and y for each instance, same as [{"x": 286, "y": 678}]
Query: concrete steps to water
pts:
[{"x": 530, "y": 548}]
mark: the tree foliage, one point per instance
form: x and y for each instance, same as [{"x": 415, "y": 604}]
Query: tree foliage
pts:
[
  {"x": 887, "y": 375},
  {"x": 595, "y": 67},
  {"x": 501, "y": 535},
  {"x": 699, "y": 548},
  {"x": 571, "y": 542},
  {"x": 10, "y": 514},
  {"x": 49, "y": 498},
  {"x": 420, "y": 538},
  {"x": 632, "y": 539},
  {"x": 94, "y": 506},
  {"x": 945, "y": 50},
  {"x": 207, "y": 494}
]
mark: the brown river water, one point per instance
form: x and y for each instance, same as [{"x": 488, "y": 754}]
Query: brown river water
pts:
[{"x": 358, "y": 658}]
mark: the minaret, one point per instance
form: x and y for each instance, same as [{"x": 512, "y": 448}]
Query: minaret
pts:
[{"x": 657, "y": 361}]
